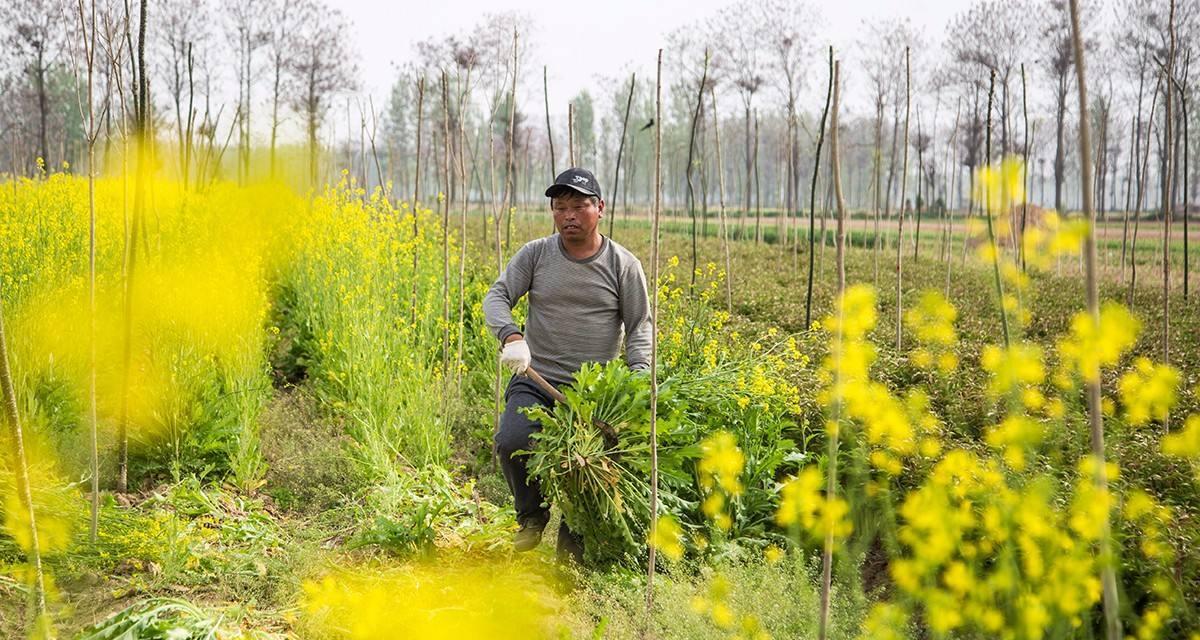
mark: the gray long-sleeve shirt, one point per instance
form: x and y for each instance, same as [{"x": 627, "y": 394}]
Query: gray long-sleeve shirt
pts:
[{"x": 577, "y": 308}]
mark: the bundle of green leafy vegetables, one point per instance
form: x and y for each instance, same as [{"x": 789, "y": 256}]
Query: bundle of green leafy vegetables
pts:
[{"x": 602, "y": 487}]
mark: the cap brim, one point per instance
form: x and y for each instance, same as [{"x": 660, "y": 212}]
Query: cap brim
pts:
[{"x": 556, "y": 189}]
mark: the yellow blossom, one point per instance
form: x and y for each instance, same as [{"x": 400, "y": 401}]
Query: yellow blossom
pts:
[{"x": 1148, "y": 391}]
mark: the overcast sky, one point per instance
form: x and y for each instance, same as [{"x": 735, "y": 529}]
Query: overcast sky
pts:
[{"x": 582, "y": 41}]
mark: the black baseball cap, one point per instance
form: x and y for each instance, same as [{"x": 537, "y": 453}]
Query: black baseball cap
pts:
[{"x": 581, "y": 180}]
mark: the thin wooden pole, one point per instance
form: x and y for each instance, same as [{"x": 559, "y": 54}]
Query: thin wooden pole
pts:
[
  {"x": 1168, "y": 174},
  {"x": 465, "y": 189},
  {"x": 549, "y": 129},
  {"x": 1108, "y": 576},
  {"x": 812, "y": 199},
  {"x": 21, "y": 472},
  {"x": 571, "y": 132},
  {"x": 445, "y": 229},
  {"x": 612, "y": 209},
  {"x": 721, "y": 192},
  {"x": 831, "y": 467},
  {"x": 1025, "y": 171},
  {"x": 415, "y": 205},
  {"x": 989, "y": 214},
  {"x": 691, "y": 191},
  {"x": 903, "y": 194},
  {"x": 650, "y": 566}
]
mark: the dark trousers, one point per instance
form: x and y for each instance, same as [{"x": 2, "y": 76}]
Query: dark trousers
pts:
[{"x": 514, "y": 435}]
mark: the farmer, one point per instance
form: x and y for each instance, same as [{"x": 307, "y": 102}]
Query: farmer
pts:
[{"x": 585, "y": 291}]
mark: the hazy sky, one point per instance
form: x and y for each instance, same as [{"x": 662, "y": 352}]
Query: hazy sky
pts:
[{"x": 580, "y": 41}]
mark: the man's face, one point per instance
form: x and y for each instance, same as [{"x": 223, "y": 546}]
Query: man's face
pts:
[{"x": 575, "y": 215}]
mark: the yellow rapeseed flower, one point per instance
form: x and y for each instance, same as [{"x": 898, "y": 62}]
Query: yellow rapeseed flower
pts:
[{"x": 1148, "y": 391}]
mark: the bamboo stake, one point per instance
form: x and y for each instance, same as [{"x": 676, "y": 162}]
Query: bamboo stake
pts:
[
  {"x": 900, "y": 213},
  {"x": 612, "y": 210},
  {"x": 757, "y": 185},
  {"x": 831, "y": 466},
  {"x": 877, "y": 175},
  {"x": 691, "y": 191},
  {"x": 549, "y": 130},
  {"x": 836, "y": 172},
  {"x": 571, "y": 132},
  {"x": 1129, "y": 179},
  {"x": 462, "y": 237},
  {"x": 1183, "y": 102},
  {"x": 1025, "y": 172},
  {"x": 919, "y": 202},
  {"x": 654, "y": 339},
  {"x": 415, "y": 205},
  {"x": 88, "y": 29},
  {"x": 721, "y": 192},
  {"x": 988, "y": 214},
  {"x": 1141, "y": 195},
  {"x": 510, "y": 167},
  {"x": 812, "y": 198},
  {"x": 947, "y": 217},
  {"x": 445, "y": 228},
  {"x": 1095, "y": 417},
  {"x": 1168, "y": 174},
  {"x": 141, "y": 110},
  {"x": 21, "y": 472}
]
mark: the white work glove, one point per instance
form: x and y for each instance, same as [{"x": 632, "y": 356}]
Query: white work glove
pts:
[{"x": 515, "y": 356}]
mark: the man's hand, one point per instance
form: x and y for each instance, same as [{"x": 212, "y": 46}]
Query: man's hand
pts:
[{"x": 515, "y": 355}]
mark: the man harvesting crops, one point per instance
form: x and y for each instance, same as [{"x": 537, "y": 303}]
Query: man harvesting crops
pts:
[{"x": 585, "y": 293}]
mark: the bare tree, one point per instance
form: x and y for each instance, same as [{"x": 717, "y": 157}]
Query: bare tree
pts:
[
  {"x": 35, "y": 38},
  {"x": 787, "y": 27},
  {"x": 737, "y": 32},
  {"x": 183, "y": 29},
  {"x": 322, "y": 65},
  {"x": 992, "y": 35},
  {"x": 880, "y": 43},
  {"x": 282, "y": 23},
  {"x": 1057, "y": 62},
  {"x": 245, "y": 32}
]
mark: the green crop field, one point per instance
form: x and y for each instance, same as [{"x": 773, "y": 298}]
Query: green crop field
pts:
[{"x": 343, "y": 320}]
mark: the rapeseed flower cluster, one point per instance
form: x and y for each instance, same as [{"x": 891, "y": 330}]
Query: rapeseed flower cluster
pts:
[
  {"x": 1053, "y": 238},
  {"x": 1148, "y": 391},
  {"x": 998, "y": 187},
  {"x": 988, "y": 556},
  {"x": 804, "y": 506},
  {"x": 1013, "y": 369},
  {"x": 719, "y": 472},
  {"x": 893, "y": 428},
  {"x": 1090, "y": 345},
  {"x": 668, "y": 537},
  {"x": 931, "y": 322},
  {"x": 1185, "y": 443}
]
